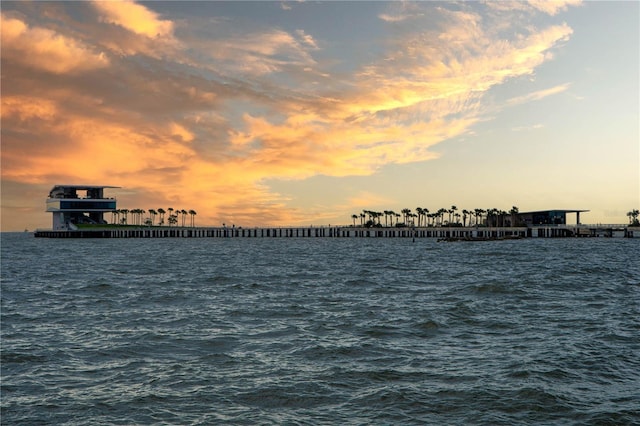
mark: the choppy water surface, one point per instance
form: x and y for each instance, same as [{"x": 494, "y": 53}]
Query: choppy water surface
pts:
[{"x": 320, "y": 331}]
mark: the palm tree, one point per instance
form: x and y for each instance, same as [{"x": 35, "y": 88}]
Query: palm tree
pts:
[
  {"x": 419, "y": 213},
  {"x": 124, "y": 212},
  {"x": 362, "y": 216},
  {"x": 425, "y": 213},
  {"x": 503, "y": 214},
  {"x": 161, "y": 212},
  {"x": 465, "y": 213},
  {"x": 184, "y": 213},
  {"x": 170, "y": 210},
  {"x": 452, "y": 211},
  {"x": 496, "y": 216},
  {"x": 137, "y": 216},
  {"x": 392, "y": 214},
  {"x": 152, "y": 215},
  {"x": 372, "y": 217},
  {"x": 406, "y": 212},
  {"x": 367, "y": 213},
  {"x": 354, "y": 217},
  {"x": 193, "y": 216},
  {"x": 492, "y": 217},
  {"x": 514, "y": 215}
]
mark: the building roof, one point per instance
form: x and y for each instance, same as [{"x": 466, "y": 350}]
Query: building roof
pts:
[
  {"x": 82, "y": 187},
  {"x": 555, "y": 210}
]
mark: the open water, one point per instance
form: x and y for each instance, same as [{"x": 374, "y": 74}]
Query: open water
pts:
[{"x": 320, "y": 331}]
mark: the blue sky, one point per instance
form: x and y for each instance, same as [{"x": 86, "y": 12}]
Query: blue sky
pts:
[{"x": 286, "y": 113}]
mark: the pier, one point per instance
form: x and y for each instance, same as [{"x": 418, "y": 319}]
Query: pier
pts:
[
  {"x": 444, "y": 233},
  {"x": 78, "y": 212}
]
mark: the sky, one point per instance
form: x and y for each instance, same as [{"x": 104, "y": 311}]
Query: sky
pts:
[{"x": 304, "y": 113}]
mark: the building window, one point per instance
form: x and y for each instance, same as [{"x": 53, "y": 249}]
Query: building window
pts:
[{"x": 87, "y": 205}]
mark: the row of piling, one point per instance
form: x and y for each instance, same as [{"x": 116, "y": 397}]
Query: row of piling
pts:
[{"x": 289, "y": 232}]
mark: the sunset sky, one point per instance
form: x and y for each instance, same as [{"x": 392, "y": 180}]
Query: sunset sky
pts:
[{"x": 304, "y": 113}]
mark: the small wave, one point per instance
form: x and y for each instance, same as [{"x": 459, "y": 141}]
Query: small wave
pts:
[
  {"x": 519, "y": 374},
  {"x": 20, "y": 358},
  {"x": 98, "y": 286},
  {"x": 221, "y": 279},
  {"x": 425, "y": 329},
  {"x": 296, "y": 395},
  {"x": 535, "y": 400},
  {"x": 396, "y": 404},
  {"x": 383, "y": 331},
  {"x": 498, "y": 288},
  {"x": 359, "y": 282},
  {"x": 428, "y": 325},
  {"x": 622, "y": 417},
  {"x": 343, "y": 352}
]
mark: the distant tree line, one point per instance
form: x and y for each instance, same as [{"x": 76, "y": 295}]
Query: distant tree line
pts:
[
  {"x": 121, "y": 216},
  {"x": 423, "y": 217}
]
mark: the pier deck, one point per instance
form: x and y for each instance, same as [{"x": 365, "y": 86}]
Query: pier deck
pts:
[{"x": 460, "y": 233}]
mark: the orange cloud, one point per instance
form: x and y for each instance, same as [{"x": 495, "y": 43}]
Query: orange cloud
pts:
[
  {"x": 46, "y": 50},
  {"x": 134, "y": 17},
  {"x": 24, "y": 108},
  {"x": 181, "y": 132}
]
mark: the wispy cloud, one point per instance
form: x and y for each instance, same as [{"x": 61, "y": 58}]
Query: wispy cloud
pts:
[
  {"x": 540, "y": 94},
  {"x": 528, "y": 128},
  {"x": 549, "y": 7},
  {"x": 553, "y": 7},
  {"x": 399, "y": 11},
  {"x": 393, "y": 18}
]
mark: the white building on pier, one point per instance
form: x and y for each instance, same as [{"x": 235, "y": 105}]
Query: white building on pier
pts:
[{"x": 69, "y": 207}]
